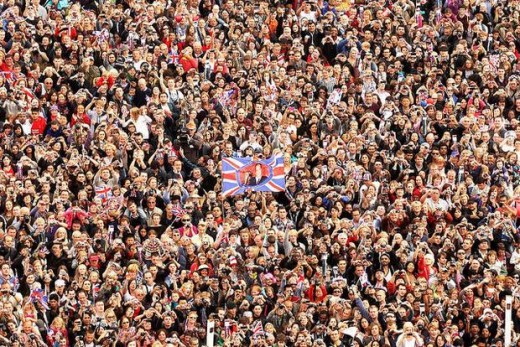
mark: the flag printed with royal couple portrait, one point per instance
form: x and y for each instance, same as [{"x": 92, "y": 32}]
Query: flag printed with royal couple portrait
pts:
[{"x": 241, "y": 174}]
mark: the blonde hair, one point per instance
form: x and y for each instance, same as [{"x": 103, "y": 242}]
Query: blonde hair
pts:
[
  {"x": 132, "y": 268},
  {"x": 134, "y": 112},
  {"x": 58, "y": 320},
  {"x": 110, "y": 311},
  {"x": 111, "y": 146}
]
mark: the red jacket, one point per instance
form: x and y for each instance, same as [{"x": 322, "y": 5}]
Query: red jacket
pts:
[
  {"x": 82, "y": 118},
  {"x": 189, "y": 63},
  {"x": 423, "y": 270},
  {"x": 38, "y": 126}
]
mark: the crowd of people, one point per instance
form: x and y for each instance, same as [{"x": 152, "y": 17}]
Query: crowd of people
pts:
[{"x": 398, "y": 124}]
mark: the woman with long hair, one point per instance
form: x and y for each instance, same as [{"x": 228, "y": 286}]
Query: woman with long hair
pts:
[{"x": 57, "y": 331}]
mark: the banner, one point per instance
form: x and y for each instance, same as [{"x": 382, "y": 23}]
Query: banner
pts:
[{"x": 241, "y": 174}]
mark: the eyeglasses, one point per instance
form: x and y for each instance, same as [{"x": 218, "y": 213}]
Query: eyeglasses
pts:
[
  {"x": 192, "y": 317},
  {"x": 185, "y": 220}
]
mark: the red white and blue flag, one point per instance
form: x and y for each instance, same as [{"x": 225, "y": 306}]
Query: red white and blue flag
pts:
[
  {"x": 37, "y": 295},
  {"x": 9, "y": 76},
  {"x": 104, "y": 192},
  {"x": 28, "y": 93},
  {"x": 241, "y": 174},
  {"x": 228, "y": 97},
  {"x": 257, "y": 328},
  {"x": 178, "y": 212}
]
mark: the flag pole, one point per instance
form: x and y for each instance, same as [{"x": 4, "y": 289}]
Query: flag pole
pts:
[
  {"x": 508, "y": 321},
  {"x": 223, "y": 211},
  {"x": 210, "y": 332}
]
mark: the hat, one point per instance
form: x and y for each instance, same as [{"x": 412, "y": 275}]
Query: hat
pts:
[
  {"x": 59, "y": 283},
  {"x": 233, "y": 261},
  {"x": 511, "y": 134},
  {"x": 152, "y": 246},
  {"x": 425, "y": 144},
  {"x": 203, "y": 267}
]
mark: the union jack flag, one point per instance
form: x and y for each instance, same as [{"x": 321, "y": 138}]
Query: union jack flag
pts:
[
  {"x": 9, "y": 76},
  {"x": 241, "y": 174},
  {"x": 102, "y": 35},
  {"x": 37, "y": 295},
  {"x": 257, "y": 328},
  {"x": 178, "y": 211},
  {"x": 225, "y": 98},
  {"x": 29, "y": 93},
  {"x": 104, "y": 192}
]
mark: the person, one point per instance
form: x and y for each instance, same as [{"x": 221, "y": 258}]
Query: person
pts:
[
  {"x": 257, "y": 178},
  {"x": 409, "y": 337}
]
